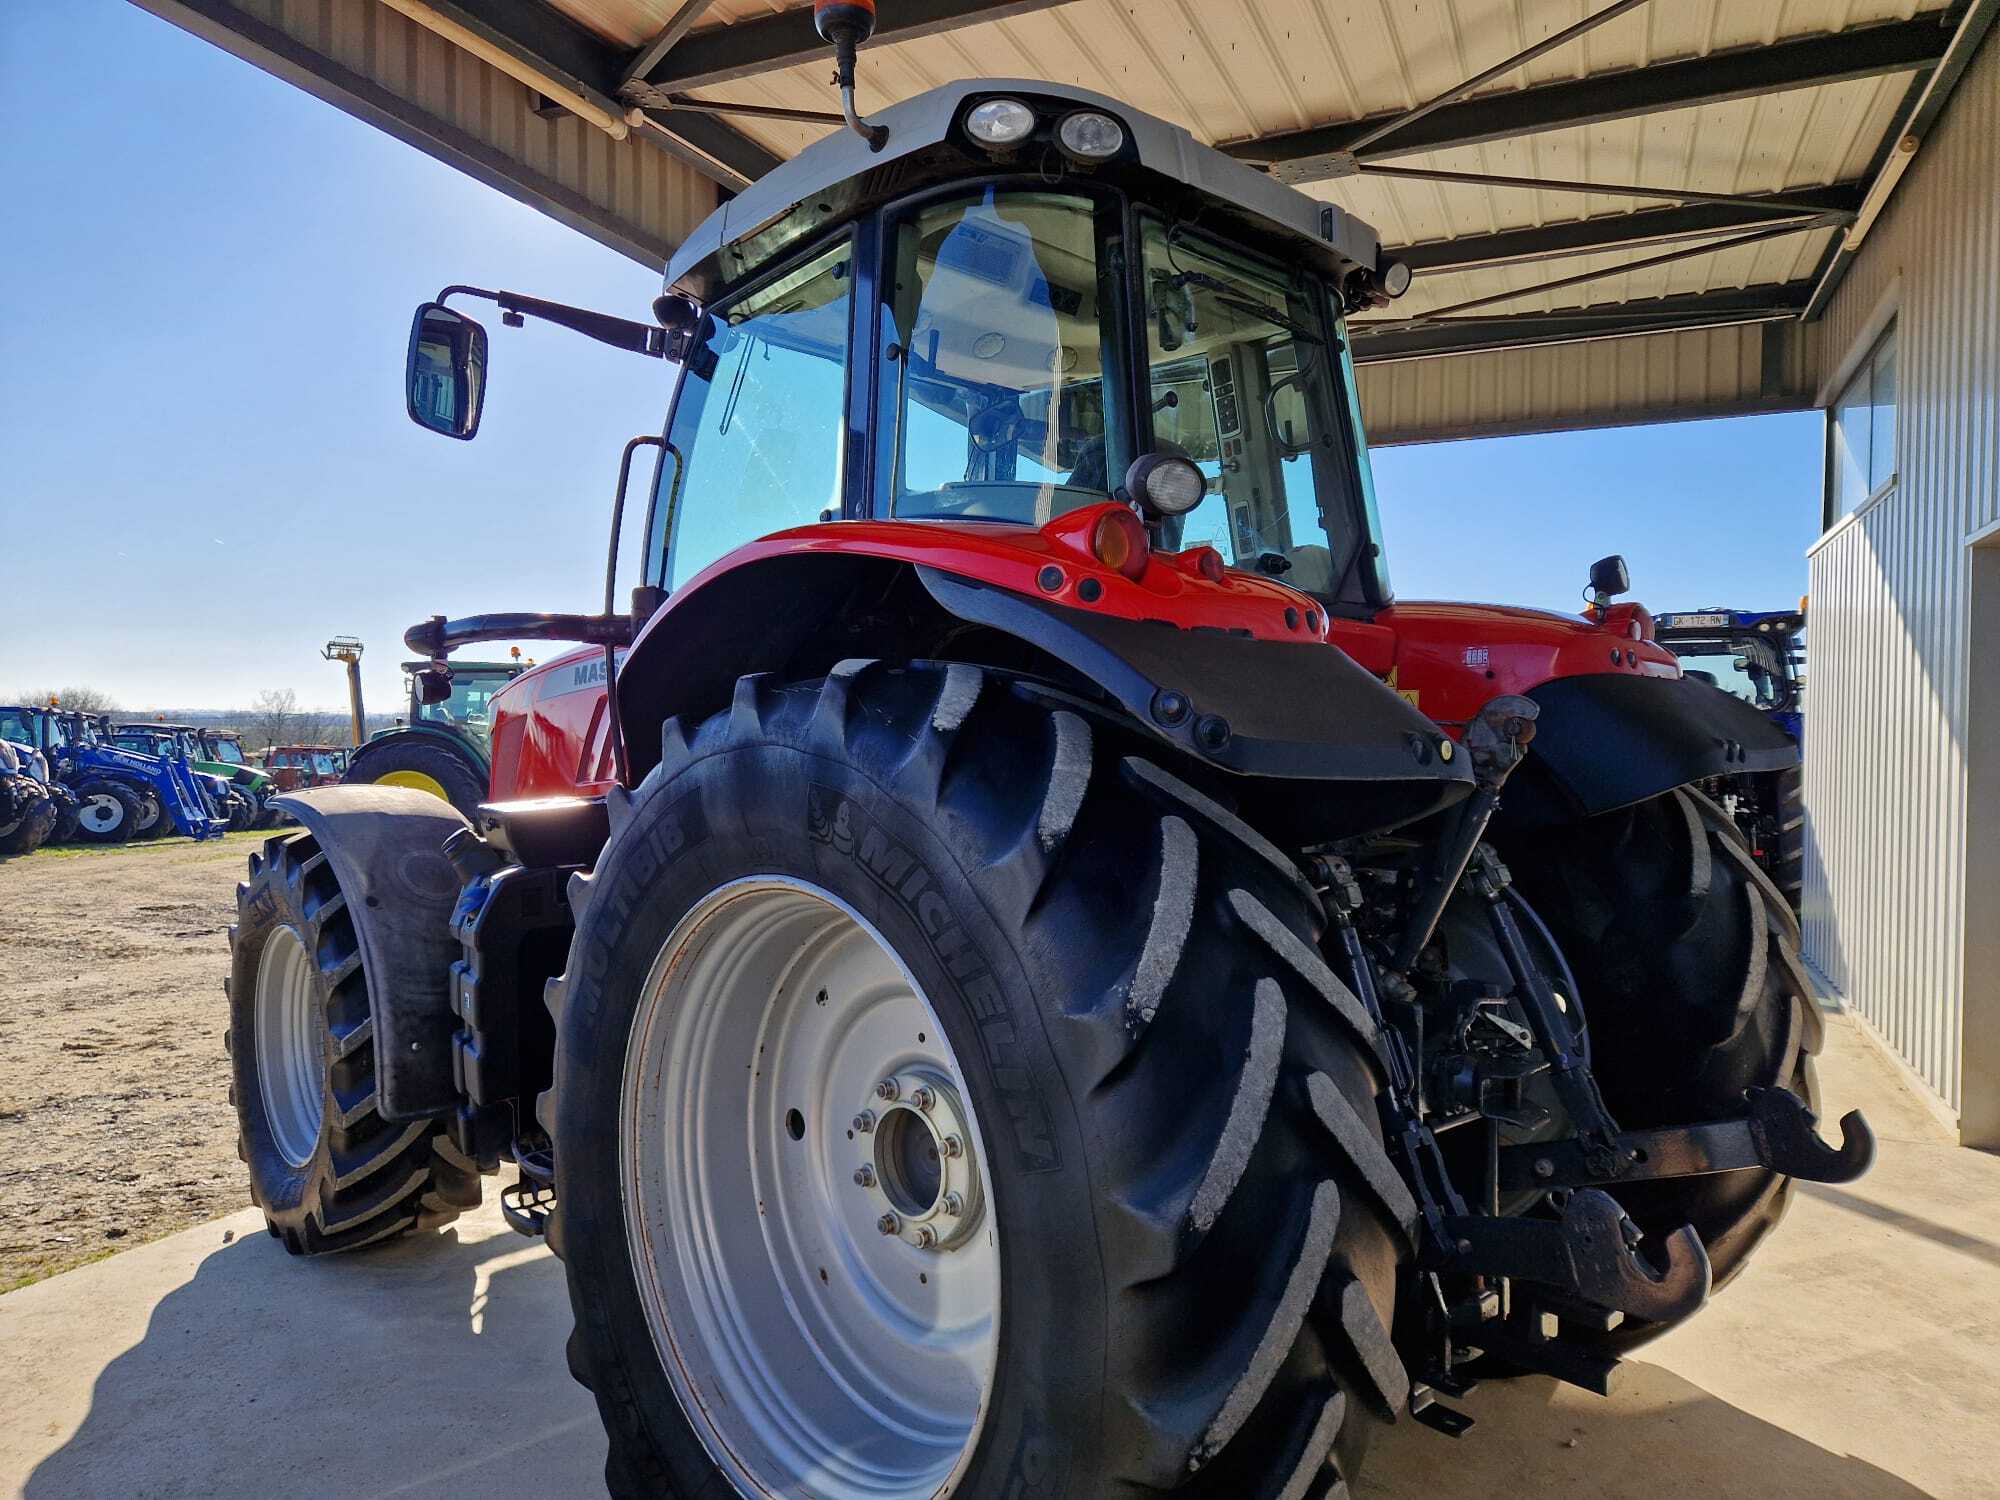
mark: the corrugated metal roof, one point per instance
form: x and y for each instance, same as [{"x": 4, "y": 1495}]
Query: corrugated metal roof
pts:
[{"x": 1793, "y": 99}]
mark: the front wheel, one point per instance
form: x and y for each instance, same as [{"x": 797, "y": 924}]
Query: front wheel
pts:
[
  {"x": 329, "y": 1172},
  {"x": 423, "y": 762},
  {"x": 949, "y": 1100},
  {"x": 155, "y": 822},
  {"x": 68, "y": 812},
  {"x": 107, "y": 812},
  {"x": 29, "y": 829}
]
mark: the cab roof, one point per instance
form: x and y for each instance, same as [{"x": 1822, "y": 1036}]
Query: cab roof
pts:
[{"x": 930, "y": 118}]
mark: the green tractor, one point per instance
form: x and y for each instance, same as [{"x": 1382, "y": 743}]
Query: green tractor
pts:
[
  {"x": 444, "y": 747},
  {"x": 214, "y": 753}
]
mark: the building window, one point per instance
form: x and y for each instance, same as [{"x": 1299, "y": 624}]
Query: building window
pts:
[{"x": 1861, "y": 432}]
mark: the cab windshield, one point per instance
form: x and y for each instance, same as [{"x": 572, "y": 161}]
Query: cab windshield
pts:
[
  {"x": 1749, "y": 667},
  {"x": 226, "y": 751}
]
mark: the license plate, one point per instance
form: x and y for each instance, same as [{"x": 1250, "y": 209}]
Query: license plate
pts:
[{"x": 1683, "y": 622}]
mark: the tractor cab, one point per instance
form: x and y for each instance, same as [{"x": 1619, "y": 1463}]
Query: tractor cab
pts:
[
  {"x": 1758, "y": 656},
  {"x": 1049, "y": 303},
  {"x": 458, "y": 701}
]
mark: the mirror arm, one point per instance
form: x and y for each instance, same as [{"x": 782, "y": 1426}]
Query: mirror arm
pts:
[
  {"x": 620, "y": 333},
  {"x": 438, "y": 637}
]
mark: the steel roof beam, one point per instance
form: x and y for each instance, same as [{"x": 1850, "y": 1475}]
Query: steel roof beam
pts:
[
  {"x": 787, "y": 39},
  {"x": 543, "y": 35},
  {"x": 1611, "y": 232},
  {"x": 1467, "y": 335},
  {"x": 665, "y": 39},
  {"x": 1325, "y": 151}
]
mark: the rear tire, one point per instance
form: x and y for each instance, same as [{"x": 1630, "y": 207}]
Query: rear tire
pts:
[
  {"x": 108, "y": 812},
  {"x": 1688, "y": 961},
  {"x": 329, "y": 1172},
  {"x": 1197, "y": 1228},
  {"x": 423, "y": 762}
]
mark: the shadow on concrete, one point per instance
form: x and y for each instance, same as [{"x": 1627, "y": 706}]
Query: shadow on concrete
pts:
[
  {"x": 1658, "y": 1436},
  {"x": 430, "y": 1367},
  {"x": 1929, "y": 1229}
]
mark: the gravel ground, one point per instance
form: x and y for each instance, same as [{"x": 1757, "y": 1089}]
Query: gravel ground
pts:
[{"x": 115, "y": 1125}]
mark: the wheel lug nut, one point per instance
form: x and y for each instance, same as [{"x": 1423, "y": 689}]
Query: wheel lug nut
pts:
[
  {"x": 923, "y": 1098},
  {"x": 954, "y": 1205},
  {"x": 864, "y": 1122},
  {"x": 864, "y": 1176},
  {"x": 888, "y": 1090},
  {"x": 889, "y": 1224},
  {"x": 926, "y": 1238},
  {"x": 953, "y": 1147}
]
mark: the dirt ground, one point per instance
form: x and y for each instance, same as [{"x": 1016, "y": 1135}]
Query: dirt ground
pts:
[{"x": 115, "y": 1125}]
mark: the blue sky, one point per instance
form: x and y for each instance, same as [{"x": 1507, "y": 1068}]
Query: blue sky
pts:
[{"x": 206, "y": 470}]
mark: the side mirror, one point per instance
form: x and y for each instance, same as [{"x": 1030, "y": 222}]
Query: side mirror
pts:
[
  {"x": 680, "y": 316},
  {"x": 433, "y": 686},
  {"x": 1609, "y": 577},
  {"x": 444, "y": 377}
]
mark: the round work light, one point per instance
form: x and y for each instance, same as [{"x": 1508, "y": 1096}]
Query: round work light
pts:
[
  {"x": 1165, "y": 484},
  {"x": 1091, "y": 136},
  {"x": 1000, "y": 122}
]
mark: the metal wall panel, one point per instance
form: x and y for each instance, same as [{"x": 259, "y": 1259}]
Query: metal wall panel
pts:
[
  {"x": 384, "y": 68},
  {"x": 1709, "y": 372},
  {"x": 1887, "y": 749}
]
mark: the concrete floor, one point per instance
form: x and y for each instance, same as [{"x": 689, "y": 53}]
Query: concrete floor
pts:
[{"x": 1858, "y": 1359}]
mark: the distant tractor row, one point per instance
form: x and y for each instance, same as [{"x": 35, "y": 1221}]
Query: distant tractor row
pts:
[{"x": 67, "y": 776}]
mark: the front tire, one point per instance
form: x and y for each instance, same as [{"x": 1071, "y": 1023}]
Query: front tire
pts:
[
  {"x": 329, "y": 1172},
  {"x": 155, "y": 822},
  {"x": 68, "y": 811},
  {"x": 28, "y": 832},
  {"x": 1687, "y": 957},
  {"x": 1193, "y": 1230},
  {"x": 423, "y": 763},
  {"x": 107, "y": 812}
]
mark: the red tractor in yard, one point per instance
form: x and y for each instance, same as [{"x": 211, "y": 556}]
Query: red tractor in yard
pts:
[{"x": 1019, "y": 968}]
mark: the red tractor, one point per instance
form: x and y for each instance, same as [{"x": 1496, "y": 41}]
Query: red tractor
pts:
[{"x": 1019, "y": 968}]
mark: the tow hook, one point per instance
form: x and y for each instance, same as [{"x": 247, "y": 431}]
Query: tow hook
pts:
[
  {"x": 1590, "y": 1255},
  {"x": 1778, "y": 1135}
]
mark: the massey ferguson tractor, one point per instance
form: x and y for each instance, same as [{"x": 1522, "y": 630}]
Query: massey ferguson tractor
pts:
[{"x": 1019, "y": 968}]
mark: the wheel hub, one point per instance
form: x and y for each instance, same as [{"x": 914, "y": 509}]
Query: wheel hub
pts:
[
  {"x": 919, "y": 1172},
  {"x": 101, "y": 814}
]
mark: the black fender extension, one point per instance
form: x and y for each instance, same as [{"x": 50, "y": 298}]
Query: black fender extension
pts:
[
  {"x": 1607, "y": 740},
  {"x": 386, "y": 845}
]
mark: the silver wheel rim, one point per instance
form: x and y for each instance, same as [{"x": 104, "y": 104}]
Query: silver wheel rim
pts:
[
  {"x": 817, "y": 1348},
  {"x": 291, "y": 1047},
  {"x": 101, "y": 813}
]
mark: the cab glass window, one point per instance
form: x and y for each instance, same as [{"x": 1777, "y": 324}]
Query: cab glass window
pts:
[
  {"x": 1250, "y": 380},
  {"x": 1002, "y": 377},
  {"x": 760, "y": 421}
]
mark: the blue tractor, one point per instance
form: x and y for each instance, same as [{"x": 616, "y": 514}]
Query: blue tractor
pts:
[
  {"x": 181, "y": 744},
  {"x": 121, "y": 793},
  {"x": 1759, "y": 656}
]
